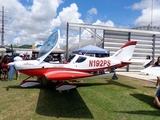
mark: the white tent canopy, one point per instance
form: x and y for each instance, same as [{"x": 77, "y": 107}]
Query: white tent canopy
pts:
[{"x": 91, "y": 49}]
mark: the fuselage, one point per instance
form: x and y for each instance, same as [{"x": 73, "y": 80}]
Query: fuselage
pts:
[
  {"x": 77, "y": 66},
  {"x": 79, "y": 63}
]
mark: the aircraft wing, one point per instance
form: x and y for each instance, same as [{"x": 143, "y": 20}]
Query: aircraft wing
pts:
[
  {"x": 66, "y": 75},
  {"x": 143, "y": 61},
  {"x": 152, "y": 70},
  {"x": 124, "y": 62}
]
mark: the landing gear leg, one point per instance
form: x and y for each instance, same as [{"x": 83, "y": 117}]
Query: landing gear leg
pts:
[{"x": 114, "y": 77}]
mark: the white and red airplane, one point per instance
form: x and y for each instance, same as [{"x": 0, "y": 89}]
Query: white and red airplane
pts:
[{"x": 78, "y": 66}]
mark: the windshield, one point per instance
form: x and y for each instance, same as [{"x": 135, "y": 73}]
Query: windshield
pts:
[
  {"x": 80, "y": 59},
  {"x": 48, "y": 44}
]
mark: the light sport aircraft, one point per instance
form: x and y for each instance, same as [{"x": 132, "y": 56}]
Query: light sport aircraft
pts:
[{"x": 78, "y": 66}]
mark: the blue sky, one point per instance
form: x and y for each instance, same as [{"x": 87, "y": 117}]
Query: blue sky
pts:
[
  {"x": 32, "y": 21},
  {"x": 107, "y": 10}
]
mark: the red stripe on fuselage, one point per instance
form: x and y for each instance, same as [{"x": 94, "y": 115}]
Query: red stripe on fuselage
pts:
[
  {"x": 67, "y": 75},
  {"x": 40, "y": 71},
  {"x": 57, "y": 73}
]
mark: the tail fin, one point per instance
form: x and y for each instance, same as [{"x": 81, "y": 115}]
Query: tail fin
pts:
[{"x": 126, "y": 51}]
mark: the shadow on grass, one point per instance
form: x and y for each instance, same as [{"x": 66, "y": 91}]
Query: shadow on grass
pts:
[
  {"x": 55, "y": 104},
  {"x": 90, "y": 84},
  {"x": 150, "y": 87},
  {"x": 146, "y": 99},
  {"x": 8, "y": 87},
  {"x": 115, "y": 82},
  {"x": 19, "y": 87},
  {"x": 65, "y": 104},
  {"x": 142, "y": 112},
  {"x": 52, "y": 85}
]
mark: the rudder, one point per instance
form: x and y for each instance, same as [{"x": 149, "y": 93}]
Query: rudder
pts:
[{"x": 125, "y": 53}]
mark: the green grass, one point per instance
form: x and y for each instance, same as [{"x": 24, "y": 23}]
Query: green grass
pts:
[{"x": 99, "y": 99}]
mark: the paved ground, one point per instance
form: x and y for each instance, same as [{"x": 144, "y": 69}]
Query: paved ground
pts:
[{"x": 138, "y": 75}]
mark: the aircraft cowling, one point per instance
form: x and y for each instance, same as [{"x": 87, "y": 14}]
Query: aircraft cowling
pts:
[{"x": 66, "y": 75}]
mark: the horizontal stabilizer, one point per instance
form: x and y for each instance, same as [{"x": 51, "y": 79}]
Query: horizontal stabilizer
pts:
[
  {"x": 142, "y": 61},
  {"x": 152, "y": 70}
]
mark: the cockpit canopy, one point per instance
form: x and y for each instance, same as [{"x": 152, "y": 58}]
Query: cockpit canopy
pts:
[
  {"x": 77, "y": 59},
  {"x": 48, "y": 45}
]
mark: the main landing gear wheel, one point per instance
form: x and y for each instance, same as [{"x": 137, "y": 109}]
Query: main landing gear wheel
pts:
[{"x": 114, "y": 77}]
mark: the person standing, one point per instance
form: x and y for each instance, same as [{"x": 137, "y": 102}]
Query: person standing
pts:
[
  {"x": 17, "y": 59},
  {"x": 6, "y": 60},
  {"x": 0, "y": 67},
  {"x": 5, "y": 69},
  {"x": 157, "y": 64}
]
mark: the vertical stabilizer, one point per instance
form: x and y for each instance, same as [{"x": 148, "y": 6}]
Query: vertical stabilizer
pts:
[{"x": 126, "y": 51}]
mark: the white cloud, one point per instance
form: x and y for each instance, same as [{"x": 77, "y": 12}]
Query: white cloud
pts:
[
  {"x": 43, "y": 10},
  {"x": 93, "y": 11},
  {"x": 68, "y": 14},
  {"x": 147, "y": 14},
  {"x": 109, "y": 23},
  {"x": 30, "y": 23},
  {"x": 142, "y": 5},
  {"x": 90, "y": 15},
  {"x": 34, "y": 23}
]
